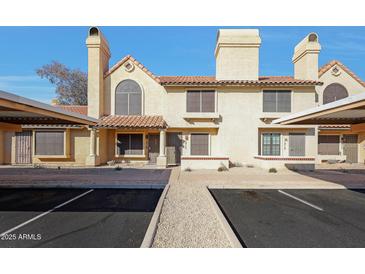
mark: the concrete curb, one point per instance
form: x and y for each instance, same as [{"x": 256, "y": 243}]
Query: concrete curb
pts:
[
  {"x": 235, "y": 243},
  {"x": 152, "y": 227},
  {"x": 277, "y": 186},
  {"x": 86, "y": 185}
]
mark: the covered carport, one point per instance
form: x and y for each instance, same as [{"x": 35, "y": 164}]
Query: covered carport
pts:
[
  {"x": 345, "y": 112},
  {"x": 17, "y": 112}
]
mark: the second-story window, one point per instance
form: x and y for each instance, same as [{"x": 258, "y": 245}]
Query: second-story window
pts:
[
  {"x": 277, "y": 101},
  {"x": 128, "y": 98},
  {"x": 200, "y": 101}
]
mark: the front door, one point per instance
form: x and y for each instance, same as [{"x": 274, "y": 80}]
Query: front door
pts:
[
  {"x": 350, "y": 147},
  {"x": 296, "y": 144},
  {"x": 153, "y": 147},
  {"x": 173, "y": 147},
  {"x": 23, "y": 153}
]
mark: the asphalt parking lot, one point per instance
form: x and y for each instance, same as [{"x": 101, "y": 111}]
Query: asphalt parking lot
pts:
[
  {"x": 295, "y": 218},
  {"x": 75, "y": 217}
]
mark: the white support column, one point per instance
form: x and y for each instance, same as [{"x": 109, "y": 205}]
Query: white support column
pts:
[
  {"x": 162, "y": 159},
  {"x": 92, "y": 142},
  {"x": 93, "y": 158},
  {"x": 163, "y": 142}
]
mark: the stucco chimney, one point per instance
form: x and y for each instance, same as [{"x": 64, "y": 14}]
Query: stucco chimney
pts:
[
  {"x": 237, "y": 54},
  {"x": 98, "y": 64},
  {"x": 305, "y": 58}
]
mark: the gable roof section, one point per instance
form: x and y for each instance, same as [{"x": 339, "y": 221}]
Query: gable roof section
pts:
[
  {"x": 329, "y": 65},
  {"x": 211, "y": 81},
  {"x": 136, "y": 63}
]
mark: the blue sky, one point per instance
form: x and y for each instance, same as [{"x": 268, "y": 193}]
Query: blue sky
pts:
[{"x": 164, "y": 50}]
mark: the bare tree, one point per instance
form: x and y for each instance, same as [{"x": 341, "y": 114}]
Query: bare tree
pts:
[{"x": 71, "y": 85}]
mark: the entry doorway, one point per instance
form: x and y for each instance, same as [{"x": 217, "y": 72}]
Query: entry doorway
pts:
[
  {"x": 23, "y": 147},
  {"x": 173, "y": 148},
  {"x": 153, "y": 147}
]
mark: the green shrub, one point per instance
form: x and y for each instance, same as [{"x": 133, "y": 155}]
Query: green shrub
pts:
[
  {"x": 118, "y": 168},
  {"x": 188, "y": 169},
  {"x": 273, "y": 170},
  {"x": 222, "y": 168}
]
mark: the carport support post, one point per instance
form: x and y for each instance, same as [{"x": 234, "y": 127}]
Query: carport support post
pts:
[
  {"x": 162, "y": 159},
  {"x": 92, "y": 159}
]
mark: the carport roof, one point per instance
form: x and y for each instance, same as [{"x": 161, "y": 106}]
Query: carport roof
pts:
[
  {"x": 350, "y": 110},
  {"x": 19, "y": 110}
]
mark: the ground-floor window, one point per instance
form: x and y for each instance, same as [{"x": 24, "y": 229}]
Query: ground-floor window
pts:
[
  {"x": 329, "y": 145},
  {"x": 49, "y": 143},
  {"x": 271, "y": 144},
  {"x": 130, "y": 144},
  {"x": 199, "y": 144}
]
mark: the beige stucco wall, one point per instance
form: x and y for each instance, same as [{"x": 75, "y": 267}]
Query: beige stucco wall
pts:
[{"x": 353, "y": 87}]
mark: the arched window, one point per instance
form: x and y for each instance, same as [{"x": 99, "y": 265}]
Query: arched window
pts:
[
  {"x": 334, "y": 92},
  {"x": 128, "y": 98}
]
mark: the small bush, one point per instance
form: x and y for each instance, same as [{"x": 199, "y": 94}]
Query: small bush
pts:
[
  {"x": 250, "y": 166},
  {"x": 118, "y": 168},
  {"x": 222, "y": 168},
  {"x": 273, "y": 170},
  {"x": 188, "y": 169}
]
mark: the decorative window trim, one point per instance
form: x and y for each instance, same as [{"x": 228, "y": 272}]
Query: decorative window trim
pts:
[
  {"x": 201, "y": 91},
  {"x": 262, "y": 143},
  {"x": 281, "y": 89},
  {"x": 66, "y": 144}
]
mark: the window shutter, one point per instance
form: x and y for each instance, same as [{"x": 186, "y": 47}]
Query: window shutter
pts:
[
  {"x": 121, "y": 103},
  {"x": 199, "y": 144},
  {"x": 208, "y": 101},
  {"x": 334, "y": 92},
  {"x": 284, "y": 101},
  {"x": 328, "y": 144},
  {"x": 49, "y": 143},
  {"x": 135, "y": 106},
  {"x": 193, "y": 101},
  {"x": 269, "y": 101},
  {"x": 128, "y": 98}
]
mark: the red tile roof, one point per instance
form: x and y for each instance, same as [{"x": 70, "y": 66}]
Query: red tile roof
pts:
[
  {"x": 132, "y": 121},
  {"x": 335, "y": 126},
  {"x": 73, "y": 108},
  {"x": 329, "y": 65},
  {"x": 210, "y": 80}
]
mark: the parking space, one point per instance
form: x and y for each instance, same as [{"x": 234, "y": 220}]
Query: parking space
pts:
[
  {"x": 295, "y": 218},
  {"x": 75, "y": 217}
]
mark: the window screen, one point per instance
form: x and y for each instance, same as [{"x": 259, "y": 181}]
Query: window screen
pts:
[
  {"x": 329, "y": 145},
  {"x": 200, "y": 101},
  {"x": 277, "y": 101},
  {"x": 128, "y": 98},
  {"x": 130, "y": 144},
  {"x": 199, "y": 144},
  {"x": 271, "y": 144},
  {"x": 49, "y": 142}
]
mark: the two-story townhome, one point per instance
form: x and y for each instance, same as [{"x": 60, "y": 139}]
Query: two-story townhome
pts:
[{"x": 199, "y": 121}]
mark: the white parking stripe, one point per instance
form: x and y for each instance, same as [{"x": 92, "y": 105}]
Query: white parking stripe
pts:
[
  {"x": 300, "y": 200},
  {"x": 45, "y": 213}
]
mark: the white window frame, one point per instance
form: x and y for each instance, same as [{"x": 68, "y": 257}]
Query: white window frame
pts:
[
  {"x": 129, "y": 156},
  {"x": 284, "y": 89},
  {"x": 262, "y": 143}
]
